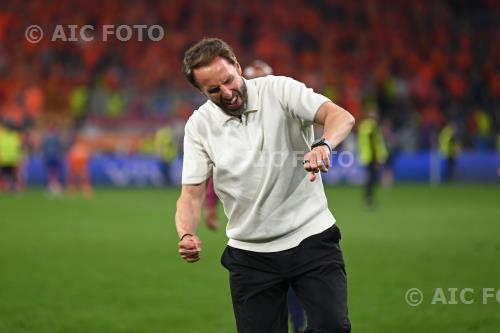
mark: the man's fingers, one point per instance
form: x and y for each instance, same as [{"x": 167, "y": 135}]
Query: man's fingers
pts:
[
  {"x": 190, "y": 256},
  {"x": 190, "y": 260},
  {"x": 184, "y": 252},
  {"x": 323, "y": 159},
  {"x": 311, "y": 162},
  {"x": 193, "y": 258},
  {"x": 321, "y": 165},
  {"x": 190, "y": 248},
  {"x": 325, "y": 165},
  {"x": 317, "y": 159},
  {"x": 312, "y": 176},
  {"x": 328, "y": 163},
  {"x": 315, "y": 167}
]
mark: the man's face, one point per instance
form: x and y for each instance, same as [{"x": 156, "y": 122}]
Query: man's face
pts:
[{"x": 222, "y": 83}]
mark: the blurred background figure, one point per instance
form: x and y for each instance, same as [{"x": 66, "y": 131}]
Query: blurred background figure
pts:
[
  {"x": 258, "y": 68},
  {"x": 10, "y": 157},
  {"x": 211, "y": 206},
  {"x": 78, "y": 102},
  {"x": 372, "y": 151},
  {"x": 392, "y": 143},
  {"x": 449, "y": 149},
  {"x": 115, "y": 91},
  {"x": 27, "y": 150},
  {"x": 78, "y": 176},
  {"x": 481, "y": 127},
  {"x": 53, "y": 155},
  {"x": 165, "y": 147}
]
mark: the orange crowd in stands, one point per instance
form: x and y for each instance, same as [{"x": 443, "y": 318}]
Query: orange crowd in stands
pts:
[{"x": 422, "y": 63}]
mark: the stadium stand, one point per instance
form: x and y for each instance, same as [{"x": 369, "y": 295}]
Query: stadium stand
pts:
[{"x": 421, "y": 63}]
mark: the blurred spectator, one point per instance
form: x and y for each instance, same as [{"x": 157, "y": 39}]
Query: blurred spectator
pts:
[
  {"x": 372, "y": 152},
  {"x": 53, "y": 155},
  {"x": 78, "y": 104},
  {"x": 480, "y": 126},
  {"x": 10, "y": 157},
  {"x": 449, "y": 149},
  {"x": 392, "y": 143},
  {"x": 211, "y": 206},
  {"x": 165, "y": 146},
  {"x": 436, "y": 59},
  {"x": 258, "y": 68},
  {"x": 78, "y": 177}
]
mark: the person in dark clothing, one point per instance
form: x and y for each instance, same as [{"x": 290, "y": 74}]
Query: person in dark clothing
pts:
[{"x": 372, "y": 152}]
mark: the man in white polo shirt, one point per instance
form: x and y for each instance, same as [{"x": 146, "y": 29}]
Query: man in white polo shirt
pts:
[{"x": 256, "y": 138}]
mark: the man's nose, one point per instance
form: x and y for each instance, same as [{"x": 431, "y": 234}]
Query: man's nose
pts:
[{"x": 226, "y": 92}]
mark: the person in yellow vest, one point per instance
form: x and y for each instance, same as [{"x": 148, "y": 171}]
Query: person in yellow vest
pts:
[
  {"x": 484, "y": 128},
  {"x": 165, "y": 146},
  {"x": 10, "y": 157},
  {"x": 449, "y": 149},
  {"x": 372, "y": 151}
]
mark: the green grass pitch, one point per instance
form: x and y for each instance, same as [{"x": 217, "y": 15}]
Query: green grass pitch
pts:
[{"x": 110, "y": 264}]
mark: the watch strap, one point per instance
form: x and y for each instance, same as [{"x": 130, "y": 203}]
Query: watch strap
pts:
[{"x": 322, "y": 142}]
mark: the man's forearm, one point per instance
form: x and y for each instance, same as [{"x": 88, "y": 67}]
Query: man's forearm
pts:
[
  {"x": 338, "y": 125},
  {"x": 187, "y": 216}
]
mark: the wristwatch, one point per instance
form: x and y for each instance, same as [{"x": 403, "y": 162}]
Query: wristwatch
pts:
[{"x": 322, "y": 142}]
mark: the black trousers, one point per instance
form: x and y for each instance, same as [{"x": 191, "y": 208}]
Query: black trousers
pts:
[{"x": 314, "y": 269}]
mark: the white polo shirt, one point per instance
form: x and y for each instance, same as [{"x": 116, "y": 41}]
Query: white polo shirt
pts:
[{"x": 257, "y": 164}]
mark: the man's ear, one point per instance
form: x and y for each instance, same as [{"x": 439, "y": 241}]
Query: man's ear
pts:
[{"x": 238, "y": 67}]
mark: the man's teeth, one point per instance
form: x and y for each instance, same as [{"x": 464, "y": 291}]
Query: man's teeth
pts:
[{"x": 233, "y": 100}]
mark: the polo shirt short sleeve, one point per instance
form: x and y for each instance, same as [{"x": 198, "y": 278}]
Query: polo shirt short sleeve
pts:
[
  {"x": 302, "y": 102},
  {"x": 197, "y": 166}
]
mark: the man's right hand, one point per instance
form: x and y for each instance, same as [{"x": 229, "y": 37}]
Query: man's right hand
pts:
[{"x": 190, "y": 248}]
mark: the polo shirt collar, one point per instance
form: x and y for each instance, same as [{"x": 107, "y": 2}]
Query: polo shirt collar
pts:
[{"x": 252, "y": 103}]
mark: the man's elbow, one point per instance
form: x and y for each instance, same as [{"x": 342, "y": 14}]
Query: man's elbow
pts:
[{"x": 349, "y": 120}]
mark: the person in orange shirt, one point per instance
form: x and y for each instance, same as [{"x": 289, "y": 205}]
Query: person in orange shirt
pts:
[{"x": 78, "y": 169}]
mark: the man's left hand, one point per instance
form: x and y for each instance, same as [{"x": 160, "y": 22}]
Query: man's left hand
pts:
[{"x": 317, "y": 160}]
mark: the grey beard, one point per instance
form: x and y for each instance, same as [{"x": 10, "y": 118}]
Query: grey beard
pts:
[
  {"x": 239, "y": 112},
  {"x": 235, "y": 113}
]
